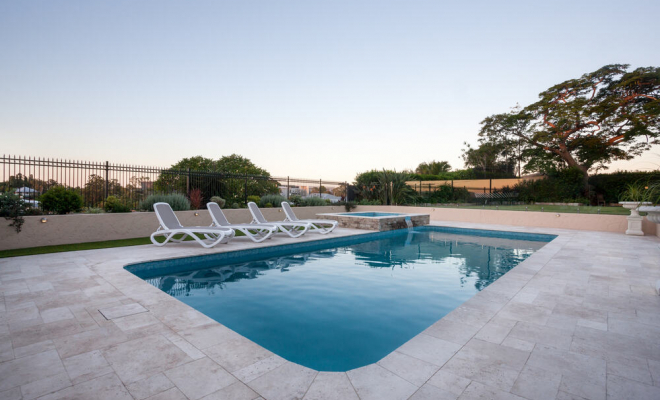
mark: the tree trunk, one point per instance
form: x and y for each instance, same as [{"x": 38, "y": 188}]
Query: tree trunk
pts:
[{"x": 572, "y": 162}]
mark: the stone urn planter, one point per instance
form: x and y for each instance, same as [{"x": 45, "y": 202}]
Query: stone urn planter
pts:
[
  {"x": 653, "y": 213},
  {"x": 634, "y": 219}
]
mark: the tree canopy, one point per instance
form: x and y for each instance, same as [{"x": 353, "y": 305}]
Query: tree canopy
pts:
[
  {"x": 223, "y": 177},
  {"x": 490, "y": 159},
  {"x": 606, "y": 115},
  {"x": 433, "y": 167},
  {"x": 386, "y": 186}
]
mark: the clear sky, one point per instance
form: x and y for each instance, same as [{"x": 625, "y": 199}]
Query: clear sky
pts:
[{"x": 303, "y": 88}]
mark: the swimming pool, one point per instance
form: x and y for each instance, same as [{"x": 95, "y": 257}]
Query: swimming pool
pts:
[{"x": 342, "y": 303}]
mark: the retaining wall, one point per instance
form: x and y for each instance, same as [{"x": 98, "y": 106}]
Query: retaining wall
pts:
[
  {"x": 587, "y": 222},
  {"x": 80, "y": 228}
]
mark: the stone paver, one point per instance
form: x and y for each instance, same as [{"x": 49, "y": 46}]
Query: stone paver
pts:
[
  {"x": 579, "y": 319},
  {"x": 331, "y": 386},
  {"x": 200, "y": 378},
  {"x": 140, "y": 358},
  {"x": 374, "y": 382},
  {"x": 122, "y": 310}
]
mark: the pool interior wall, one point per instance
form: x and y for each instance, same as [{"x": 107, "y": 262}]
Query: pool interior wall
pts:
[{"x": 342, "y": 303}]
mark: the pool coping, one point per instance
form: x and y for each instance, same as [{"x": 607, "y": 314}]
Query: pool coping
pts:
[{"x": 246, "y": 367}]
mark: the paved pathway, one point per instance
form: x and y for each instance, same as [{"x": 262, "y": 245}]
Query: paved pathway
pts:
[{"x": 579, "y": 319}]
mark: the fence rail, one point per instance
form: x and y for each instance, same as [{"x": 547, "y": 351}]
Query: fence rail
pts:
[{"x": 96, "y": 181}]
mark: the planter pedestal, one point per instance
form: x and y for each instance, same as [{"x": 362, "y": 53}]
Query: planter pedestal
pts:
[
  {"x": 635, "y": 225},
  {"x": 634, "y": 219},
  {"x": 652, "y": 213}
]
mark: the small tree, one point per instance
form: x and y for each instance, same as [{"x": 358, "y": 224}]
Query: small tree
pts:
[
  {"x": 13, "y": 208},
  {"x": 196, "y": 199}
]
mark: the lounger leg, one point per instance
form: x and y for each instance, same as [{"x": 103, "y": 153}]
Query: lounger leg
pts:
[
  {"x": 259, "y": 236},
  {"x": 167, "y": 238},
  {"x": 204, "y": 244},
  {"x": 290, "y": 231}
]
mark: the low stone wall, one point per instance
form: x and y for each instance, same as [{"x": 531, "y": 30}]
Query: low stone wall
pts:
[
  {"x": 384, "y": 223},
  {"x": 586, "y": 222},
  {"x": 81, "y": 228}
]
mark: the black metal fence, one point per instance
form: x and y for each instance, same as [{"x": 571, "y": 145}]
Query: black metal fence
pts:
[{"x": 96, "y": 181}]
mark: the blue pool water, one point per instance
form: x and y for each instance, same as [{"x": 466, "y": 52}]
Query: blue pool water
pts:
[
  {"x": 371, "y": 214},
  {"x": 339, "y": 304}
]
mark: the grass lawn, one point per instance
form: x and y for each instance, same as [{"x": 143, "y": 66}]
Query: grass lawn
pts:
[
  {"x": 30, "y": 251},
  {"x": 554, "y": 209}
]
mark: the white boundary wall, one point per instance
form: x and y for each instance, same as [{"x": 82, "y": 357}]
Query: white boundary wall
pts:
[{"x": 80, "y": 228}]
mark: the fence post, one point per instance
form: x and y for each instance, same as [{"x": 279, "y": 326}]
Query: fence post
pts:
[
  {"x": 320, "y": 190},
  {"x": 246, "y": 195},
  {"x": 491, "y": 186},
  {"x": 288, "y": 187},
  {"x": 188, "y": 181},
  {"x": 107, "y": 168}
]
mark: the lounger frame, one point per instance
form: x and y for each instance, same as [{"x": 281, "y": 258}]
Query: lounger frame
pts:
[
  {"x": 212, "y": 236},
  {"x": 290, "y": 228},
  {"x": 256, "y": 232},
  {"x": 322, "y": 226}
]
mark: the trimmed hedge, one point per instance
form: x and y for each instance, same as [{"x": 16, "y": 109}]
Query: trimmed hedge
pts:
[
  {"x": 178, "y": 202},
  {"x": 610, "y": 186}
]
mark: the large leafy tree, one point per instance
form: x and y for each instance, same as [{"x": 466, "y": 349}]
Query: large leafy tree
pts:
[
  {"x": 433, "y": 167},
  {"x": 585, "y": 123},
  {"x": 228, "y": 177}
]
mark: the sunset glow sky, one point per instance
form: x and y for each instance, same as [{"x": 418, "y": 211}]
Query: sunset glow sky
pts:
[{"x": 302, "y": 88}]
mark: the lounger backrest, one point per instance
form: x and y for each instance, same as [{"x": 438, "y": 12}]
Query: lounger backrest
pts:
[
  {"x": 256, "y": 213},
  {"x": 289, "y": 211},
  {"x": 217, "y": 214},
  {"x": 166, "y": 216}
]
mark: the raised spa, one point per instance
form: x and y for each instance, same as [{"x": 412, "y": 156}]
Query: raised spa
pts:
[
  {"x": 377, "y": 221},
  {"x": 342, "y": 303}
]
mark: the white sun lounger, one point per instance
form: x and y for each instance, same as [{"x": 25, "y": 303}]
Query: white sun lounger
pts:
[
  {"x": 290, "y": 228},
  {"x": 256, "y": 232},
  {"x": 170, "y": 226},
  {"x": 318, "y": 225}
]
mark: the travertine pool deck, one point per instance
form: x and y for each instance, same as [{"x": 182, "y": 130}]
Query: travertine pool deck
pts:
[{"x": 579, "y": 319}]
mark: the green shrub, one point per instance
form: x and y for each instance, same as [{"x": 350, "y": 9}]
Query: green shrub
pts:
[
  {"x": 61, "y": 200},
  {"x": 275, "y": 200},
  {"x": 178, "y": 202},
  {"x": 314, "y": 202},
  {"x": 268, "y": 205},
  {"x": 564, "y": 186},
  {"x": 349, "y": 206},
  {"x": 254, "y": 199},
  {"x": 296, "y": 200},
  {"x": 93, "y": 210},
  {"x": 13, "y": 208},
  {"x": 235, "y": 205},
  {"x": 217, "y": 199},
  {"x": 365, "y": 202},
  {"x": 114, "y": 204},
  {"x": 445, "y": 194}
]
